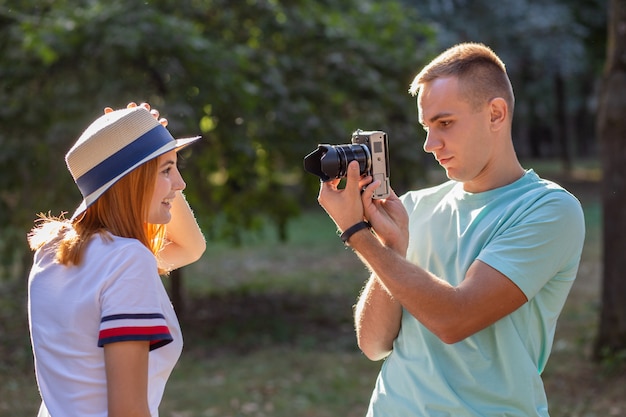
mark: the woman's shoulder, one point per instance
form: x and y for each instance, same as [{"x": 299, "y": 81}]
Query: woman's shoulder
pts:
[
  {"x": 114, "y": 253},
  {"x": 120, "y": 246}
]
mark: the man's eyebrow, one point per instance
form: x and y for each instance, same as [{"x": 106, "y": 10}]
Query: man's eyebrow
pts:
[{"x": 439, "y": 116}]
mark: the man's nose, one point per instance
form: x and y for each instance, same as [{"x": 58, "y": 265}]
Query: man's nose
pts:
[{"x": 431, "y": 143}]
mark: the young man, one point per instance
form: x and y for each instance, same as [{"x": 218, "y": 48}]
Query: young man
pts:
[{"x": 468, "y": 277}]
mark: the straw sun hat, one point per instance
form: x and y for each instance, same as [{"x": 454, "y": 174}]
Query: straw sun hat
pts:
[{"x": 112, "y": 146}]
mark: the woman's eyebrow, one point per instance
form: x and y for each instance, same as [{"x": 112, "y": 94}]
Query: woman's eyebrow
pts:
[{"x": 168, "y": 162}]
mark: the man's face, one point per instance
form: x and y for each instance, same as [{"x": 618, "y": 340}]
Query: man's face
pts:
[{"x": 458, "y": 134}]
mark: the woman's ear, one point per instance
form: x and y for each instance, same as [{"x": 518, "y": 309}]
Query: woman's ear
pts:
[{"x": 498, "y": 111}]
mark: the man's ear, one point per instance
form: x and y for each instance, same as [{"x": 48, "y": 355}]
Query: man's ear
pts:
[{"x": 499, "y": 112}]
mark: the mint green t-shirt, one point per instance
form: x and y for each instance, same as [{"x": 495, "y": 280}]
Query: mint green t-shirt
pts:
[{"x": 532, "y": 231}]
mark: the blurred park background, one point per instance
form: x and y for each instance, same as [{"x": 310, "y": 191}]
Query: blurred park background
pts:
[{"x": 266, "y": 313}]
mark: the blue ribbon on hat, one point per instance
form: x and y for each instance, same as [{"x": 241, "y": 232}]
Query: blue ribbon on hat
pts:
[{"x": 125, "y": 158}]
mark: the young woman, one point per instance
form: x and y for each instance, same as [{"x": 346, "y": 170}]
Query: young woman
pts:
[{"x": 104, "y": 334}]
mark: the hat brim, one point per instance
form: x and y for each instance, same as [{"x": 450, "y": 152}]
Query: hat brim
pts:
[{"x": 176, "y": 145}]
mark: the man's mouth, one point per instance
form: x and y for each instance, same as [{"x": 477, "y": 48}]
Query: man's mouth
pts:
[{"x": 443, "y": 161}]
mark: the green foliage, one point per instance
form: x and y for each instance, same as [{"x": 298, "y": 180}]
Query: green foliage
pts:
[
  {"x": 612, "y": 361},
  {"x": 262, "y": 81},
  {"x": 554, "y": 52},
  {"x": 298, "y": 75}
]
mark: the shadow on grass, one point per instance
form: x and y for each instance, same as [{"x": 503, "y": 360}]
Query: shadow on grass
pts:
[{"x": 245, "y": 322}]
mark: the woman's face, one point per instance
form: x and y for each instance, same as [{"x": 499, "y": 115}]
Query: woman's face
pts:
[{"x": 167, "y": 182}]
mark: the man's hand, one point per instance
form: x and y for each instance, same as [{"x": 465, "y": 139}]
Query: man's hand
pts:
[
  {"x": 343, "y": 206},
  {"x": 352, "y": 205},
  {"x": 388, "y": 218}
]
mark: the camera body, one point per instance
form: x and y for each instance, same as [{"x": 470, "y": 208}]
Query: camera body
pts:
[{"x": 369, "y": 148}]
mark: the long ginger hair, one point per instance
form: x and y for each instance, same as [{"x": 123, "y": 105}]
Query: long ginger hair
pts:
[{"x": 121, "y": 211}]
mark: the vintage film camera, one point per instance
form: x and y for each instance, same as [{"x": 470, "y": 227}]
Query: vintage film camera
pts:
[{"x": 369, "y": 148}]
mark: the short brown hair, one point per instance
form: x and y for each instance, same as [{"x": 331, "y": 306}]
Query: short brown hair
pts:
[{"x": 482, "y": 75}]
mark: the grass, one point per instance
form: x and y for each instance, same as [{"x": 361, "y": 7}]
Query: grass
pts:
[
  {"x": 271, "y": 382},
  {"x": 268, "y": 332},
  {"x": 273, "y": 334}
]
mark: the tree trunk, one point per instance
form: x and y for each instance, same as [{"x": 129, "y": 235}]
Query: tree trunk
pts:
[
  {"x": 176, "y": 292},
  {"x": 561, "y": 123},
  {"x": 611, "y": 125}
]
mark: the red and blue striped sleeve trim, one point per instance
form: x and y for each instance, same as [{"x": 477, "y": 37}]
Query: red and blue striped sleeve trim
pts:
[{"x": 134, "y": 327}]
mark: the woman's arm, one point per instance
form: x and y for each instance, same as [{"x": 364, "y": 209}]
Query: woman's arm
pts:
[
  {"x": 185, "y": 242},
  {"x": 126, "y": 365}
]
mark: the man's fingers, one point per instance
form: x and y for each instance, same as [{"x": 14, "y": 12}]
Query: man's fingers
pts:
[
  {"x": 369, "y": 190},
  {"x": 353, "y": 176}
]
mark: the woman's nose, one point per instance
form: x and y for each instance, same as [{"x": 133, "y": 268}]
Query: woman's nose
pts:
[{"x": 178, "y": 183}]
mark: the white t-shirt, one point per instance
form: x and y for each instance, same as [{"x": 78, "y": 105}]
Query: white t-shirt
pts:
[{"x": 116, "y": 294}]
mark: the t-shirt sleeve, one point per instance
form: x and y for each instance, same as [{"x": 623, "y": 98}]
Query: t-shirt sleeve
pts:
[
  {"x": 132, "y": 300},
  {"x": 543, "y": 243}
]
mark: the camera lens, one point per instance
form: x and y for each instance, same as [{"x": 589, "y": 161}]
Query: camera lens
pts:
[
  {"x": 344, "y": 154},
  {"x": 329, "y": 162}
]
